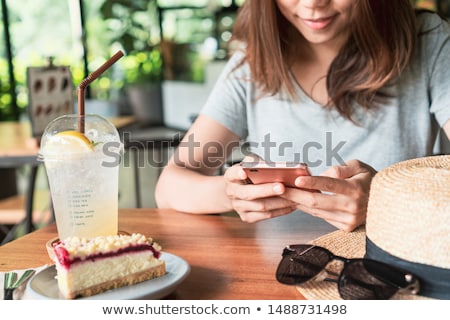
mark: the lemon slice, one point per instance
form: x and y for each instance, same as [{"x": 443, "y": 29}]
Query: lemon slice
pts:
[{"x": 68, "y": 142}]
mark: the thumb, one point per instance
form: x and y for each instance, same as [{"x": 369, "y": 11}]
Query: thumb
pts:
[{"x": 344, "y": 171}]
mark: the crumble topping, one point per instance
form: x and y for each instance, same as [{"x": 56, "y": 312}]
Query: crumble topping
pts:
[{"x": 84, "y": 247}]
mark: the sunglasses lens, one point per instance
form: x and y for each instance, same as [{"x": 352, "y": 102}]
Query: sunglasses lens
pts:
[
  {"x": 301, "y": 265},
  {"x": 367, "y": 280}
]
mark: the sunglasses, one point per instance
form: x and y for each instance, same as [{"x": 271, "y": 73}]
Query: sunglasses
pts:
[{"x": 359, "y": 279}]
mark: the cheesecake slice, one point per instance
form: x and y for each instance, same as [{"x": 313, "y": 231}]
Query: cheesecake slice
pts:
[{"x": 88, "y": 266}]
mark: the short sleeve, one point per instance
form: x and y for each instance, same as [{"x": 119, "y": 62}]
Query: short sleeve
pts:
[
  {"x": 227, "y": 100},
  {"x": 440, "y": 73}
]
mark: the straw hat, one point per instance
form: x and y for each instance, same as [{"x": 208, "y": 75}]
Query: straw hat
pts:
[{"x": 408, "y": 225}]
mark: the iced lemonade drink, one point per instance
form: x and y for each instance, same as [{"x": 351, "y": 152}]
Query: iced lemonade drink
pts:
[{"x": 83, "y": 174}]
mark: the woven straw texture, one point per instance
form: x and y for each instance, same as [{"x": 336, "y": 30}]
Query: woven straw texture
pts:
[
  {"x": 341, "y": 243},
  {"x": 409, "y": 210},
  {"x": 408, "y": 216}
]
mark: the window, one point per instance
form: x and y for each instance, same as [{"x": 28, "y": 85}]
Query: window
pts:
[{"x": 193, "y": 34}]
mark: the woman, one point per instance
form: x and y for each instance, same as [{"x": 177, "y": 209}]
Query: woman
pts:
[{"x": 349, "y": 87}]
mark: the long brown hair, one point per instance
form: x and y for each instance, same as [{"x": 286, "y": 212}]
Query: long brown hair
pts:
[{"x": 381, "y": 42}]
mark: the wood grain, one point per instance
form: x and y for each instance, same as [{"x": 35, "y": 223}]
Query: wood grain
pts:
[{"x": 229, "y": 259}]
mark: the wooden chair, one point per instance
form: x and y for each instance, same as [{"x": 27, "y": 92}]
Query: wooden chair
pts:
[{"x": 14, "y": 218}]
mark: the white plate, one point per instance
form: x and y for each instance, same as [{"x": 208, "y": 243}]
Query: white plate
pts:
[{"x": 43, "y": 285}]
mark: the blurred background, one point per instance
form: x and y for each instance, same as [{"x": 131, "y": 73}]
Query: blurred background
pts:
[
  {"x": 164, "y": 40},
  {"x": 174, "y": 52}
]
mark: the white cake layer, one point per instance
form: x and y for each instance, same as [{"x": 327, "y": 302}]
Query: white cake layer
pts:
[{"x": 87, "y": 273}]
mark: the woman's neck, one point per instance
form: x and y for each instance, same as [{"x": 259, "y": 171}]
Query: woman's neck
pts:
[
  {"x": 310, "y": 70},
  {"x": 323, "y": 53},
  {"x": 310, "y": 64}
]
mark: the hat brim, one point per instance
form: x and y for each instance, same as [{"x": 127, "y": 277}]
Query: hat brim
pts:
[{"x": 344, "y": 244}]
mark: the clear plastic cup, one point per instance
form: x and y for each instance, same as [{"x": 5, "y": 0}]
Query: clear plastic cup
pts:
[{"x": 83, "y": 175}]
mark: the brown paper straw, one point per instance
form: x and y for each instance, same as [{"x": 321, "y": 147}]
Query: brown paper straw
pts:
[{"x": 88, "y": 80}]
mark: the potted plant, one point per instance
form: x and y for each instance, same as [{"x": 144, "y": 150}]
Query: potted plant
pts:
[{"x": 134, "y": 26}]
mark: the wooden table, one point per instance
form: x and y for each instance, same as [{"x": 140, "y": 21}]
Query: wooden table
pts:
[
  {"x": 18, "y": 147},
  {"x": 229, "y": 259}
]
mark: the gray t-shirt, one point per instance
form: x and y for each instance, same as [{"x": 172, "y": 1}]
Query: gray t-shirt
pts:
[{"x": 278, "y": 129}]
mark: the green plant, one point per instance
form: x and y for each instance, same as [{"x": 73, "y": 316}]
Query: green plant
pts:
[
  {"x": 143, "y": 67},
  {"x": 134, "y": 26}
]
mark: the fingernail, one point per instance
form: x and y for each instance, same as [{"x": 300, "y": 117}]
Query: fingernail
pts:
[
  {"x": 242, "y": 175},
  {"x": 298, "y": 181},
  {"x": 277, "y": 189}
]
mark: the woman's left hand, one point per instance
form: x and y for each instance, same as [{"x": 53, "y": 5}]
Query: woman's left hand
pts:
[{"x": 344, "y": 197}]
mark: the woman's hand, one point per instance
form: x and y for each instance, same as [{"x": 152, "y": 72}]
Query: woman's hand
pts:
[
  {"x": 255, "y": 202},
  {"x": 344, "y": 198}
]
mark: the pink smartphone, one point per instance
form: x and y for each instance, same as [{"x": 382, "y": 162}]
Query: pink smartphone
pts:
[{"x": 285, "y": 172}]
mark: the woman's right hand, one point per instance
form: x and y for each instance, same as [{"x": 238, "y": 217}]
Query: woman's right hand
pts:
[{"x": 255, "y": 202}]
